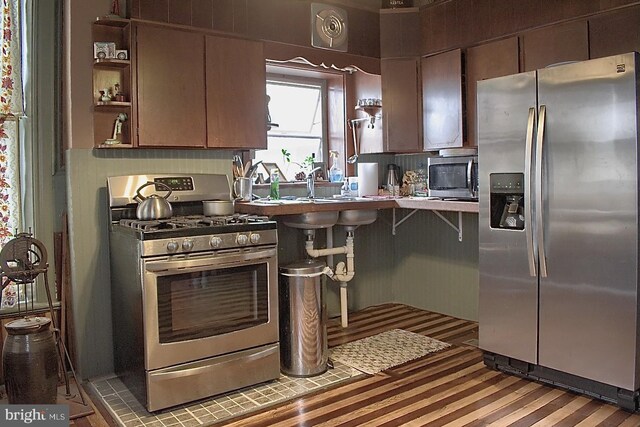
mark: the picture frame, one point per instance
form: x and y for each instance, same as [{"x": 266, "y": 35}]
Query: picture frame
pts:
[
  {"x": 322, "y": 173},
  {"x": 104, "y": 50},
  {"x": 269, "y": 166}
]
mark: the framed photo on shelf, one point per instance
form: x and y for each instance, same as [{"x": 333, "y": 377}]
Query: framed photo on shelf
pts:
[
  {"x": 322, "y": 173},
  {"x": 104, "y": 50},
  {"x": 269, "y": 166}
]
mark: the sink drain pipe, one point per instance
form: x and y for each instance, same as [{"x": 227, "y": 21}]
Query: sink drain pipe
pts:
[{"x": 341, "y": 273}]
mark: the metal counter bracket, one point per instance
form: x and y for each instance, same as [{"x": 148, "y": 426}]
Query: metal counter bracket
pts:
[{"x": 437, "y": 213}]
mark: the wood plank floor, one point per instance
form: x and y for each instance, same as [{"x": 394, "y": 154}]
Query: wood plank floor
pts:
[{"x": 448, "y": 388}]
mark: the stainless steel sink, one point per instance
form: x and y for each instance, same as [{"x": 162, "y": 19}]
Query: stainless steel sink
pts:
[
  {"x": 311, "y": 220},
  {"x": 355, "y": 217},
  {"x": 319, "y": 200}
]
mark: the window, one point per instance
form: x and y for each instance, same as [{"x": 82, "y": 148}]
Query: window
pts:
[
  {"x": 297, "y": 107},
  {"x": 11, "y": 112},
  {"x": 16, "y": 182}
]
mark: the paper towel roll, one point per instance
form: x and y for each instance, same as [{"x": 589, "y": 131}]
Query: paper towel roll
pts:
[{"x": 367, "y": 179}]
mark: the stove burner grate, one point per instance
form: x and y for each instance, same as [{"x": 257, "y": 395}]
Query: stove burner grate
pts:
[
  {"x": 143, "y": 225},
  {"x": 191, "y": 221}
]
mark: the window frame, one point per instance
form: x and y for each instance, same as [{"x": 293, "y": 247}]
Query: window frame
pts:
[{"x": 293, "y": 80}]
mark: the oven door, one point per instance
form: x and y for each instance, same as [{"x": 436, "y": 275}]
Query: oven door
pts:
[{"x": 210, "y": 304}]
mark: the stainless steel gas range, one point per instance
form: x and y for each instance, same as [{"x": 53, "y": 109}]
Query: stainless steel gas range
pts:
[{"x": 194, "y": 298}]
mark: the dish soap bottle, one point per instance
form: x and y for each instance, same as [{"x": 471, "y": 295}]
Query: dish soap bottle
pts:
[
  {"x": 274, "y": 186},
  {"x": 335, "y": 173}
]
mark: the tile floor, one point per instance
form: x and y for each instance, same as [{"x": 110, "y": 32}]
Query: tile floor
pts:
[{"x": 128, "y": 412}]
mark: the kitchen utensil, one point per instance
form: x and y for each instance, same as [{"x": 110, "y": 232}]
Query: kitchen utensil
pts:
[
  {"x": 252, "y": 169},
  {"x": 354, "y": 158},
  {"x": 217, "y": 207},
  {"x": 246, "y": 168},
  {"x": 153, "y": 206},
  {"x": 242, "y": 188},
  {"x": 238, "y": 167}
]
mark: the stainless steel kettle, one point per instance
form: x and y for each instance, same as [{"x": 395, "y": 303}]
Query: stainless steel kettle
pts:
[{"x": 153, "y": 206}]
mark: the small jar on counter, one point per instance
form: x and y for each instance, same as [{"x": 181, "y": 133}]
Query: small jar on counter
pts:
[{"x": 421, "y": 181}]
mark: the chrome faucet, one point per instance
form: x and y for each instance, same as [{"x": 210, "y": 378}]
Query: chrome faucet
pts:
[{"x": 311, "y": 180}]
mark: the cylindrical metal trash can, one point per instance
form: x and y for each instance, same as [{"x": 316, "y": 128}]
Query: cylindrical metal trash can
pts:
[{"x": 303, "y": 326}]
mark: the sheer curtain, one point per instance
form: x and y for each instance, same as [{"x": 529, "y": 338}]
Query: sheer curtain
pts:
[{"x": 11, "y": 111}]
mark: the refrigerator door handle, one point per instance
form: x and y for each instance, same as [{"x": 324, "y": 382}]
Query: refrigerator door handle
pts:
[
  {"x": 528, "y": 165},
  {"x": 542, "y": 114}
]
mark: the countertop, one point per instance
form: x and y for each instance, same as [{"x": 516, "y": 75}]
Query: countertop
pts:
[{"x": 290, "y": 207}]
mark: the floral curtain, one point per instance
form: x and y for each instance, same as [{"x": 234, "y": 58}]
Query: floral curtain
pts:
[{"x": 11, "y": 109}]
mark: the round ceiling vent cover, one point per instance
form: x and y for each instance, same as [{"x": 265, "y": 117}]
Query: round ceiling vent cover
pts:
[{"x": 329, "y": 27}]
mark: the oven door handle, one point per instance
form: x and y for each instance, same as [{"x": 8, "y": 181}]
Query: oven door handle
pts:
[{"x": 214, "y": 261}]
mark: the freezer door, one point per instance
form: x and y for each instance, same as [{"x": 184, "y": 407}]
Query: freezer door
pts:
[
  {"x": 589, "y": 300},
  {"x": 508, "y": 300}
]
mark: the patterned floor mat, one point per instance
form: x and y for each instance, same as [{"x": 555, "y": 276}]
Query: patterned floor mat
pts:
[{"x": 385, "y": 350}]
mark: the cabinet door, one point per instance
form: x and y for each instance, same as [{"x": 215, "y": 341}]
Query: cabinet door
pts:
[
  {"x": 400, "y": 105},
  {"x": 614, "y": 33},
  {"x": 236, "y": 93},
  {"x": 442, "y": 100},
  {"x": 170, "y": 87},
  {"x": 551, "y": 45},
  {"x": 486, "y": 61}
]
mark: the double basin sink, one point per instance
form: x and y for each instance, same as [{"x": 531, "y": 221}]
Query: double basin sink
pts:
[{"x": 349, "y": 218}]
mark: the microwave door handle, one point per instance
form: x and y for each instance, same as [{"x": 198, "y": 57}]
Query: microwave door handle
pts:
[
  {"x": 214, "y": 261},
  {"x": 542, "y": 114},
  {"x": 528, "y": 165},
  {"x": 469, "y": 178}
]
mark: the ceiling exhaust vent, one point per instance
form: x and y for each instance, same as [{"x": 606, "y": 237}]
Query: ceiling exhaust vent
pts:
[{"x": 329, "y": 27}]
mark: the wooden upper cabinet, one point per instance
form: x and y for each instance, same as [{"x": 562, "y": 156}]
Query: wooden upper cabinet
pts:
[
  {"x": 170, "y": 87},
  {"x": 236, "y": 93},
  {"x": 554, "y": 44},
  {"x": 399, "y": 32},
  {"x": 400, "y": 105},
  {"x": 442, "y": 100},
  {"x": 614, "y": 33},
  {"x": 495, "y": 59}
]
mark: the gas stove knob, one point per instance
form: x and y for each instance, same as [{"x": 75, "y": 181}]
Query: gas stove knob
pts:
[
  {"x": 255, "y": 238},
  {"x": 187, "y": 244},
  {"x": 242, "y": 239},
  {"x": 215, "y": 242},
  {"x": 172, "y": 246}
]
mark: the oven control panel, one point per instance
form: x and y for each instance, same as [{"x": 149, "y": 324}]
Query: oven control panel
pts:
[
  {"x": 182, "y": 183},
  {"x": 194, "y": 244}
]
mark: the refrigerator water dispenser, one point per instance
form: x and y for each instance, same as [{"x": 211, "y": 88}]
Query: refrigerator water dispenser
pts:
[{"x": 507, "y": 200}]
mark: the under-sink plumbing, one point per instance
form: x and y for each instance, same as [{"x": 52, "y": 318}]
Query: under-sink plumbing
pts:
[{"x": 341, "y": 273}]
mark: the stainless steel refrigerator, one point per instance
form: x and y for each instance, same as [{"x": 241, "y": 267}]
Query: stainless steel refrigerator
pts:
[{"x": 558, "y": 225}]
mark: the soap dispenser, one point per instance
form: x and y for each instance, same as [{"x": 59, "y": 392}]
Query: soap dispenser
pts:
[{"x": 335, "y": 173}]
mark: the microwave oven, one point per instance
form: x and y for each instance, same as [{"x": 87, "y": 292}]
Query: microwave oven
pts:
[{"x": 453, "y": 177}]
